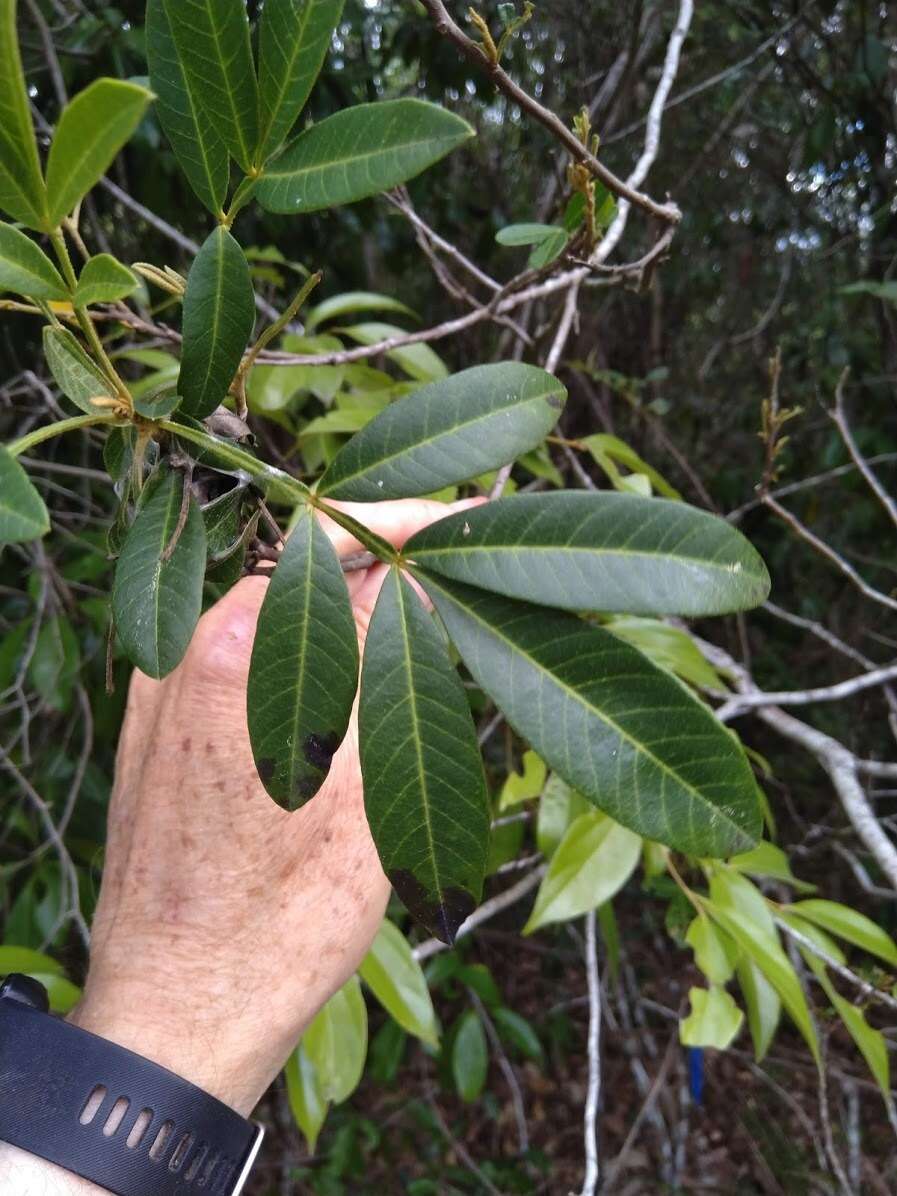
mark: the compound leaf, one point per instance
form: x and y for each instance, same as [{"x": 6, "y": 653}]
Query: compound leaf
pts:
[
  {"x": 627, "y": 735},
  {"x": 360, "y": 151},
  {"x": 581, "y": 550},
  {"x": 155, "y": 601},
  {"x": 304, "y": 669},
  {"x": 424, "y": 789},
  {"x": 447, "y": 432}
]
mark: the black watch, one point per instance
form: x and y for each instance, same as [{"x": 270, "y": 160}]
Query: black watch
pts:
[{"x": 108, "y": 1115}]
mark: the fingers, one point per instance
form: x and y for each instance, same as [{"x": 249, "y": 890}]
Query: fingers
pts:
[{"x": 395, "y": 521}]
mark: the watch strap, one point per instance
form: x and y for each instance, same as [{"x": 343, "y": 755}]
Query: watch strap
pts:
[{"x": 109, "y": 1115}]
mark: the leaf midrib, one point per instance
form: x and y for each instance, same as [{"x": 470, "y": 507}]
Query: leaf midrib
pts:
[
  {"x": 281, "y": 91},
  {"x": 231, "y": 93},
  {"x": 605, "y": 718},
  {"x": 335, "y": 162},
  {"x": 303, "y": 648},
  {"x": 429, "y": 440}
]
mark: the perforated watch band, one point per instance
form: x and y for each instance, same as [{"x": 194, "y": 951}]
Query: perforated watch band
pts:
[{"x": 109, "y": 1115}]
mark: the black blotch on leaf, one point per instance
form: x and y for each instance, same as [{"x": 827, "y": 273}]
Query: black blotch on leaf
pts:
[
  {"x": 442, "y": 917},
  {"x": 265, "y": 769},
  {"x": 306, "y": 787},
  {"x": 319, "y": 749}
]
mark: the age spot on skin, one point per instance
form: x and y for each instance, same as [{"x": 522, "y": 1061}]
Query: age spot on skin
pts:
[{"x": 186, "y": 744}]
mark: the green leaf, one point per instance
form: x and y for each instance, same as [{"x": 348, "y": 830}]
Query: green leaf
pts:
[
  {"x": 424, "y": 789},
  {"x": 221, "y": 517},
  {"x": 559, "y": 805},
  {"x": 517, "y": 1031},
  {"x": 25, "y": 268},
  {"x": 156, "y": 602},
  {"x": 525, "y": 785},
  {"x": 670, "y": 647},
  {"x": 470, "y": 1057},
  {"x": 23, "y": 515},
  {"x": 548, "y": 250},
  {"x": 336, "y": 1043},
  {"x": 158, "y": 404},
  {"x": 22, "y": 191},
  {"x": 63, "y": 995},
  {"x": 773, "y": 963},
  {"x": 197, "y": 145},
  {"x": 74, "y": 371},
  {"x": 418, "y": 361},
  {"x": 304, "y": 670},
  {"x": 294, "y": 38},
  {"x": 848, "y": 924},
  {"x": 360, "y": 151},
  {"x": 607, "y": 450},
  {"x": 583, "y": 550},
  {"x": 734, "y": 892},
  {"x": 768, "y": 860},
  {"x": 397, "y": 981},
  {"x": 55, "y": 663},
  {"x": 526, "y": 234},
  {"x": 91, "y": 131},
  {"x": 23, "y": 959},
  {"x": 763, "y": 1005},
  {"x": 715, "y": 953},
  {"x": 351, "y": 301},
  {"x": 628, "y": 736},
  {"x": 447, "y": 432},
  {"x": 104, "y": 280},
  {"x": 714, "y": 1020},
  {"x": 219, "y": 314},
  {"x": 594, "y": 860},
  {"x": 871, "y": 1043},
  {"x": 212, "y": 42},
  {"x": 308, "y": 1107}
]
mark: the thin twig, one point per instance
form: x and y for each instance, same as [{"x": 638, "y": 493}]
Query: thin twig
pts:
[{"x": 593, "y": 1094}]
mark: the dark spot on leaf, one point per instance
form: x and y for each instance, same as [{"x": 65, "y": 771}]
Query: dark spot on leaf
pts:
[
  {"x": 265, "y": 769},
  {"x": 555, "y": 401},
  {"x": 306, "y": 787},
  {"x": 442, "y": 915},
  {"x": 319, "y": 749}
]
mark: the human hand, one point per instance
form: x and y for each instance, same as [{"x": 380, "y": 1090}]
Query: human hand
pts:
[{"x": 224, "y": 922}]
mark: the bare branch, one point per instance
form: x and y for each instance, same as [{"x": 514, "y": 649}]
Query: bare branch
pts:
[{"x": 590, "y": 1118}]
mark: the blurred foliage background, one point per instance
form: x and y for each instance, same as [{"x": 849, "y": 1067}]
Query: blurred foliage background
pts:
[{"x": 779, "y": 145}]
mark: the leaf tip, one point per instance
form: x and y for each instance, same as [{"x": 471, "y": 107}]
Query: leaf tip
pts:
[{"x": 443, "y": 914}]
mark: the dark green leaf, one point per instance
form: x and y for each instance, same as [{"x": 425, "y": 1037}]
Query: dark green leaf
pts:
[
  {"x": 293, "y": 42},
  {"x": 25, "y": 268},
  {"x": 222, "y": 520},
  {"x": 55, "y": 663},
  {"x": 424, "y": 788},
  {"x": 219, "y": 313},
  {"x": 118, "y": 451},
  {"x": 197, "y": 145},
  {"x": 517, "y": 1031},
  {"x": 74, "y": 371},
  {"x": 212, "y": 41},
  {"x": 104, "y": 280},
  {"x": 582, "y": 550},
  {"x": 22, "y": 192},
  {"x": 159, "y": 403},
  {"x": 359, "y": 152},
  {"x": 156, "y": 602},
  {"x": 23, "y": 515},
  {"x": 304, "y": 671},
  {"x": 624, "y": 733},
  {"x": 549, "y": 249},
  {"x": 470, "y": 1057},
  {"x": 447, "y": 432},
  {"x": 91, "y": 131}
]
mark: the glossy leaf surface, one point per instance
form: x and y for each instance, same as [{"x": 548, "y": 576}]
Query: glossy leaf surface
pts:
[
  {"x": 294, "y": 37},
  {"x": 594, "y": 860},
  {"x": 197, "y": 144},
  {"x": 308, "y": 1107},
  {"x": 397, "y": 981},
  {"x": 92, "y": 129},
  {"x": 23, "y": 514},
  {"x": 156, "y": 602},
  {"x": 304, "y": 670},
  {"x": 22, "y": 192},
  {"x": 336, "y": 1042},
  {"x": 425, "y": 793},
  {"x": 359, "y": 152},
  {"x": 104, "y": 280},
  {"x": 848, "y": 924},
  {"x": 26, "y": 269},
  {"x": 447, "y": 432},
  {"x": 212, "y": 42},
  {"x": 219, "y": 314},
  {"x": 625, "y": 734},
  {"x": 581, "y": 550},
  {"x": 74, "y": 371}
]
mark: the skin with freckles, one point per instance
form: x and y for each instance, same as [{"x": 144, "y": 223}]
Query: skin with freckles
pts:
[{"x": 224, "y": 922}]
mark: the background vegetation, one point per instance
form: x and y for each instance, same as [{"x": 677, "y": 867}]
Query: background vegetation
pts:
[{"x": 778, "y": 144}]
